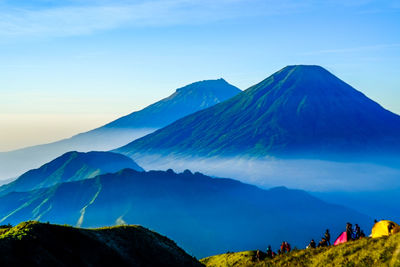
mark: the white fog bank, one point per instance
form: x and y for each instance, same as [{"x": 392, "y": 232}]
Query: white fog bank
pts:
[{"x": 310, "y": 175}]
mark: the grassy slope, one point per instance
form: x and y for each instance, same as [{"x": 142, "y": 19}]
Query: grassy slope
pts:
[
  {"x": 383, "y": 251},
  {"x": 37, "y": 244}
]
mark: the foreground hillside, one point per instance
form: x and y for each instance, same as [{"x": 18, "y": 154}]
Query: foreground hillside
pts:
[
  {"x": 383, "y": 251},
  {"x": 37, "y": 244}
]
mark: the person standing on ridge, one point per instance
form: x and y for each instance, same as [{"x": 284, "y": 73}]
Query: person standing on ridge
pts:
[
  {"x": 327, "y": 236},
  {"x": 312, "y": 244},
  {"x": 283, "y": 247},
  {"x": 269, "y": 252},
  {"x": 357, "y": 231},
  {"x": 288, "y": 248},
  {"x": 349, "y": 231}
]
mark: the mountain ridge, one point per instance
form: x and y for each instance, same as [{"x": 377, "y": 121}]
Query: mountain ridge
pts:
[
  {"x": 205, "y": 215},
  {"x": 207, "y": 93},
  {"x": 182, "y": 102},
  {"x": 41, "y": 244},
  {"x": 71, "y": 166},
  {"x": 299, "y": 110},
  {"x": 364, "y": 252}
]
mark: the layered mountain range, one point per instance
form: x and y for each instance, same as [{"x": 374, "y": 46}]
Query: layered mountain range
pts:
[
  {"x": 184, "y": 101},
  {"x": 300, "y": 112},
  {"x": 72, "y": 166},
  {"x": 204, "y": 215}
]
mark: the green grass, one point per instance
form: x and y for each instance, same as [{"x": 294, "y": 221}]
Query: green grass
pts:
[
  {"x": 17, "y": 232},
  {"x": 244, "y": 258},
  {"x": 42, "y": 244},
  {"x": 383, "y": 251}
]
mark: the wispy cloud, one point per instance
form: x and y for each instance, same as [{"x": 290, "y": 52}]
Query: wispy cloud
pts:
[
  {"x": 77, "y": 17},
  {"x": 85, "y": 17},
  {"x": 352, "y": 49}
]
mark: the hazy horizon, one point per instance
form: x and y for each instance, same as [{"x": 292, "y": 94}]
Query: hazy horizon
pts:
[
  {"x": 160, "y": 132},
  {"x": 89, "y": 62}
]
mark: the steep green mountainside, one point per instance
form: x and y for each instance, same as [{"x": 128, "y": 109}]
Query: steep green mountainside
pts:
[
  {"x": 205, "y": 215},
  {"x": 38, "y": 244},
  {"x": 384, "y": 251},
  {"x": 299, "y": 111},
  {"x": 182, "y": 102},
  {"x": 72, "y": 166}
]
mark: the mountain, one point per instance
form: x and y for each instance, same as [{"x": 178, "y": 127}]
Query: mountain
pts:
[
  {"x": 205, "y": 215},
  {"x": 40, "y": 244},
  {"x": 72, "y": 166},
  {"x": 7, "y": 181},
  {"x": 365, "y": 252},
  {"x": 298, "y": 112},
  {"x": 184, "y": 101}
]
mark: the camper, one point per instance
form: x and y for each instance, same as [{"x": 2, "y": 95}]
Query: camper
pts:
[{"x": 384, "y": 228}]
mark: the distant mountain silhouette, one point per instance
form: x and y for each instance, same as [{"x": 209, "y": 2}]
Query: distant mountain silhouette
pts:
[
  {"x": 299, "y": 111},
  {"x": 72, "y": 166},
  {"x": 184, "y": 101},
  {"x": 204, "y": 215}
]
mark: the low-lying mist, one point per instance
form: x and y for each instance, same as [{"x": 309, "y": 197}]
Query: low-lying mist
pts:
[
  {"x": 368, "y": 188},
  {"x": 14, "y": 163},
  {"x": 310, "y": 175}
]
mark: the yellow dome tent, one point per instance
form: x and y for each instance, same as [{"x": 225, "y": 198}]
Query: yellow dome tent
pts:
[{"x": 384, "y": 228}]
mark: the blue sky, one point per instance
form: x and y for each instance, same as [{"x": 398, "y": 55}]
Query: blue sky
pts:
[{"x": 68, "y": 66}]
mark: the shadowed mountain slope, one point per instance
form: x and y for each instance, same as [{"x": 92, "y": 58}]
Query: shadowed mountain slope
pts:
[
  {"x": 38, "y": 244},
  {"x": 299, "y": 111},
  {"x": 71, "y": 166},
  {"x": 206, "y": 216},
  {"x": 184, "y": 101}
]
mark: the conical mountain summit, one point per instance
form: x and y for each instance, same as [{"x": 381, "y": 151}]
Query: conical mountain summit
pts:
[{"x": 299, "y": 111}]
